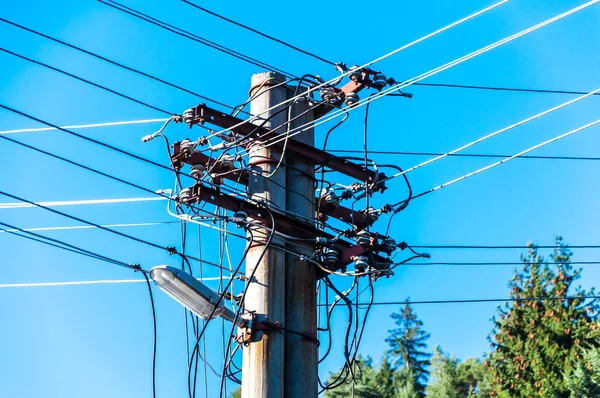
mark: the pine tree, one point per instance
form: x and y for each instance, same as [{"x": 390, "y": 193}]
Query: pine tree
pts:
[
  {"x": 368, "y": 384},
  {"x": 443, "y": 378},
  {"x": 537, "y": 342},
  {"x": 584, "y": 382},
  {"x": 407, "y": 345}
]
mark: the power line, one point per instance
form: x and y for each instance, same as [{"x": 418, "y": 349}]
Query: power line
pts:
[
  {"x": 514, "y": 89},
  {"x": 85, "y": 126},
  {"x": 490, "y": 263},
  {"x": 170, "y": 250},
  {"x": 490, "y": 300},
  {"x": 79, "y": 202},
  {"x": 192, "y": 36},
  {"x": 260, "y": 33},
  {"x": 467, "y": 155},
  {"x": 389, "y": 54},
  {"x": 81, "y": 79},
  {"x": 78, "y": 227},
  {"x": 504, "y": 247},
  {"x": 491, "y": 166},
  {"x": 427, "y": 74},
  {"x": 495, "y": 133},
  {"x": 120, "y": 65},
  {"x": 63, "y": 246}
]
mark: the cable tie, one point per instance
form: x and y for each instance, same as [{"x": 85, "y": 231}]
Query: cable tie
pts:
[
  {"x": 135, "y": 267},
  {"x": 171, "y": 249}
]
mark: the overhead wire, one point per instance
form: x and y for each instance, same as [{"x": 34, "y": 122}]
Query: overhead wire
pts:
[
  {"x": 81, "y": 79},
  {"x": 64, "y": 246},
  {"x": 85, "y": 126},
  {"x": 466, "y": 155},
  {"x": 389, "y": 54},
  {"x": 115, "y": 63},
  {"x": 260, "y": 33},
  {"x": 562, "y": 136},
  {"x": 497, "y": 132},
  {"x": 439, "y": 69},
  {"x": 192, "y": 36}
]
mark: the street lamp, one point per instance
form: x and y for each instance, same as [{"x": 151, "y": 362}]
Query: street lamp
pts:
[{"x": 192, "y": 294}]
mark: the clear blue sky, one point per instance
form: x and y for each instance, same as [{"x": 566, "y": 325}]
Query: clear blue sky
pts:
[{"x": 95, "y": 341}]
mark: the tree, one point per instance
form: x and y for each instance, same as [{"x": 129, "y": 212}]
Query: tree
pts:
[
  {"x": 584, "y": 382},
  {"x": 536, "y": 343},
  {"x": 371, "y": 382},
  {"x": 451, "y": 378},
  {"x": 407, "y": 345}
]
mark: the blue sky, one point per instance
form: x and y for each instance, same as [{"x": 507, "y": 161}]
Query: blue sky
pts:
[{"x": 96, "y": 340}]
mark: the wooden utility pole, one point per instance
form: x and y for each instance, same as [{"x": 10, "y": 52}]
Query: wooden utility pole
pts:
[
  {"x": 301, "y": 354},
  {"x": 263, "y": 358}
]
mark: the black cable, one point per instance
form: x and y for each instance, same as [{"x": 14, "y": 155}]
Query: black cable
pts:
[
  {"x": 66, "y": 246},
  {"x": 502, "y": 263},
  {"x": 170, "y": 250},
  {"x": 469, "y": 155},
  {"x": 491, "y": 300},
  {"x": 522, "y": 90},
  {"x": 503, "y": 246},
  {"x": 81, "y": 79},
  {"x": 192, "y": 36},
  {"x": 249, "y": 278},
  {"x": 118, "y": 64},
  {"x": 260, "y": 33},
  {"x": 154, "y": 338}
]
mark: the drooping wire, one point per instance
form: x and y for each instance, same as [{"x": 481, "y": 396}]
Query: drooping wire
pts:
[{"x": 153, "y": 336}]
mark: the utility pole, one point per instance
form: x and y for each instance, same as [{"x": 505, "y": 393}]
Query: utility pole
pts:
[
  {"x": 263, "y": 357},
  {"x": 301, "y": 353},
  {"x": 280, "y": 353}
]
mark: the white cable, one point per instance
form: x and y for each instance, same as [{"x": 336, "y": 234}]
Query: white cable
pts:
[
  {"x": 537, "y": 116},
  {"x": 560, "y": 137},
  {"x": 404, "y": 47},
  {"x": 98, "y": 282},
  {"x": 77, "y": 202},
  {"x": 85, "y": 126},
  {"x": 430, "y": 73},
  {"x": 71, "y": 227}
]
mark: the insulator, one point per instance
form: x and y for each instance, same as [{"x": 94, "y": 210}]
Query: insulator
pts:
[
  {"x": 319, "y": 240},
  {"x": 187, "y": 147},
  {"x": 351, "y": 99},
  {"x": 240, "y": 218},
  {"x": 388, "y": 245},
  {"x": 197, "y": 171},
  {"x": 327, "y": 93},
  {"x": 332, "y": 256},
  {"x": 372, "y": 214},
  {"x": 185, "y": 195},
  {"x": 331, "y": 198},
  {"x": 188, "y": 116},
  {"x": 379, "y": 81},
  {"x": 226, "y": 162},
  {"x": 361, "y": 263},
  {"x": 363, "y": 238},
  {"x": 355, "y": 74}
]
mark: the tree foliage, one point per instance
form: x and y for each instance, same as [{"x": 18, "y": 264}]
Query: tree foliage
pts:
[
  {"x": 536, "y": 343},
  {"x": 407, "y": 347}
]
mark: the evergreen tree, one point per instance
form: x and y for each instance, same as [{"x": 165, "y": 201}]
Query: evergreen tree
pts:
[
  {"x": 443, "y": 378},
  {"x": 537, "y": 342},
  {"x": 407, "y": 347},
  {"x": 451, "y": 378},
  {"x": 370, "y": 383},
  {"x": 584, "y": 382}
]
